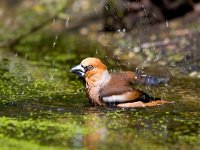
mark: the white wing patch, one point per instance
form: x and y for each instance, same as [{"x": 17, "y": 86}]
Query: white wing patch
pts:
[{"x": 114, "y": 98}]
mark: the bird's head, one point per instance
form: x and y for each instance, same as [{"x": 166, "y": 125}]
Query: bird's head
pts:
[{"x": 90, "y": 68}]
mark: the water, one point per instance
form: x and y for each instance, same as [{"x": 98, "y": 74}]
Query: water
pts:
[{"x": 36, "y": 112}]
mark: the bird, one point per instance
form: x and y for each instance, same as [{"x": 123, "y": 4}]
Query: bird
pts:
[{"x": 112, "y": 89}]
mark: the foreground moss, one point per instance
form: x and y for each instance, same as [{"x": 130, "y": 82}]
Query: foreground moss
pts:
[
  {"x": 102, "y": 128},
  {"x": 40, "y": 131},
  {"x": 14, "y": 144}
]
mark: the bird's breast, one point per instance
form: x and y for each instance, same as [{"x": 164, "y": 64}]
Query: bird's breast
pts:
[
  {"x": 92, "y": 92},
  {"x": 93, "y": 95}
]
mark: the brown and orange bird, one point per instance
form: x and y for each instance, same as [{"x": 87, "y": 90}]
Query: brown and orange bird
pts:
[{"x": 116, "y": 89}]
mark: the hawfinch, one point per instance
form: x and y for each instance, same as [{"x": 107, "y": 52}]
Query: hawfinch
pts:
[{"x": 106, "y": 89}]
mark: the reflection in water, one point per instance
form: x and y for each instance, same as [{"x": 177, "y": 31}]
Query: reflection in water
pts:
[{"x": 94, "y": 138}]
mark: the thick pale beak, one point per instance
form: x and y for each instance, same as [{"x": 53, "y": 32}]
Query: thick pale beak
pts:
[{"x": 78, "y": 70}]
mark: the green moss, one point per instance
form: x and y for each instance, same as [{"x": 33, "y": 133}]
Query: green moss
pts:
[
  {"x": 14, "y": 144},
  {"x": 41, "y": 131}
]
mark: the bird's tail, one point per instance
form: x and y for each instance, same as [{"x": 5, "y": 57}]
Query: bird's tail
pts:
[
  {"x": 150, "y": 101},
  {"x": 145, "y": 98},
  {"x": 156, "y": 102}
]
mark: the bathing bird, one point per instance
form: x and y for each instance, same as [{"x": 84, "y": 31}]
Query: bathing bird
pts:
[{"x": 112, "y": 89}]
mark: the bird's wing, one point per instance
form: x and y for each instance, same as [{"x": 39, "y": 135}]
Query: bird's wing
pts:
[
  {"x": 119, "y": 90},
  {"x": 131, "y": 96},
  {"x": 119, "y": 83}
]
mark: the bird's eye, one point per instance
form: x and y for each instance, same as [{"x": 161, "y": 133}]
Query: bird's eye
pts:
[{"x": 90, "y": 67}]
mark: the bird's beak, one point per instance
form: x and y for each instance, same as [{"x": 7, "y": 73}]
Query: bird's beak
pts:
[{"x": 78, "y": 70}]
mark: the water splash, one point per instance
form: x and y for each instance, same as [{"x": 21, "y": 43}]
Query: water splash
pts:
[
  {"x": 97, "y": 53},
  {"x": 67, "y": 22},
  {"x": 106, "y": 8},
  {"x": 54, "y": 43},
  {"x": 167, "y": 24}
]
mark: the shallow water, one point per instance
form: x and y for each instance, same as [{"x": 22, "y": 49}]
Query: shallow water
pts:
[
  {"x": 60, "y": 124},
  {"x": 43, "y": 105}
]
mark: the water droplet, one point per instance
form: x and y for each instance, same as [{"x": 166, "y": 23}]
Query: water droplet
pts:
[
  {"x": 106, "y": 8},
  {"x": 97, "y": 52},
  {"x": 67, "y": 22},
  {"x": 54, "y": 43},
  {"x": 60, "y": 109},
  {"x": 29, "y": 79},
  {"x": 167, "y": 24}
]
